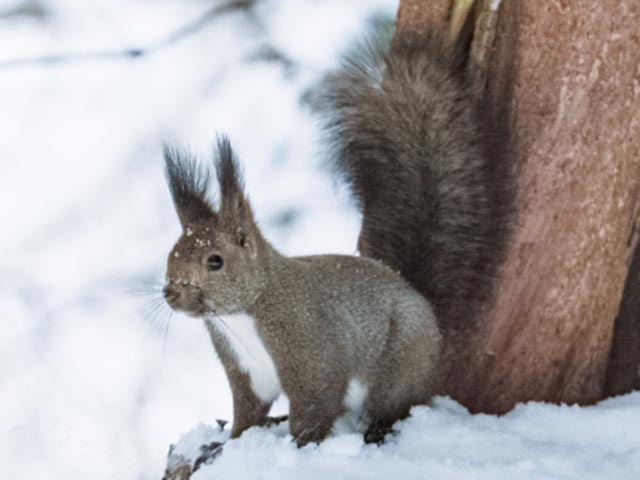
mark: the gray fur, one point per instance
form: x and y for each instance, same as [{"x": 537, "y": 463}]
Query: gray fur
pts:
[
  {"x": 427, "y": 164},
  {"x": 188, "y": 184},
  {"x": 325, "y": 320},
  {"x": 434, "y": 184}
]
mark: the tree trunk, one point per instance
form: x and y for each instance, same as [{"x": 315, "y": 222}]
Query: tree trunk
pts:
[
  {"x": 570, "y": 79},
  {"x": 623, "y": 372},
  {"x": 416, "y": 14}
]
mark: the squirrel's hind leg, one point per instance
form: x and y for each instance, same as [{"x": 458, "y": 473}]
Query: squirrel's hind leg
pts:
[
  {"x": 312, "y": 415},
  {"x": 406, "y": 373},
  {"x": 377, "y": 430}
]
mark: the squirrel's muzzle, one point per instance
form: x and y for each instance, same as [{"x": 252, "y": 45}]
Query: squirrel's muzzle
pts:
[{"x": 184, "y": 297}]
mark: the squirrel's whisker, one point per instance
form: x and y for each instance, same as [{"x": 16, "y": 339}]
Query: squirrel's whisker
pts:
[
  {"x": 167, "y": 324},
  {"x": 149, "y": 314}
]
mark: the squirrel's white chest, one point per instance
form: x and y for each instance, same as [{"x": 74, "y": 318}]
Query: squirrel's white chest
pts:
[{"x": 251, "y": 354}]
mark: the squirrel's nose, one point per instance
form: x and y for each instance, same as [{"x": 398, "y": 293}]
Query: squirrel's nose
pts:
[
  {"x": 170, "y": 294},
  {"x": 183, "y": 296}
]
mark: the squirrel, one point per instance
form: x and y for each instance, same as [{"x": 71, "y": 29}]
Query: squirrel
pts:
[{"x": 359, "y": 335}]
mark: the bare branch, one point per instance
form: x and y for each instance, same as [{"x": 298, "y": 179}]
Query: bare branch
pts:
[{"x": 187, "y": 30}]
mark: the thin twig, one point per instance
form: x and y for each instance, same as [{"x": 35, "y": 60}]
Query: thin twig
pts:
[{"x": 181, "y": 33}]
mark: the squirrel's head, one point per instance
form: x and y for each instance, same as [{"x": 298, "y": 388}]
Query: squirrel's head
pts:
[{"x": 217, "y": 265}]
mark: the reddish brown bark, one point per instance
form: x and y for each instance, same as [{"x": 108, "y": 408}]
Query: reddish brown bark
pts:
[
  {"x": 415, "y": 14},
  {"x": 570, "y": 77}
]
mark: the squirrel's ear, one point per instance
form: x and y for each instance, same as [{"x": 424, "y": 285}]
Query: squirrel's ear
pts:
[
  {"x": 188, "y": 183},
  {"x": 235, "y": 208}
]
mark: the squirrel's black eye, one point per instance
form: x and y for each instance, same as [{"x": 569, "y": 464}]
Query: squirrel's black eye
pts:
[{"x": 215, "y": 262}]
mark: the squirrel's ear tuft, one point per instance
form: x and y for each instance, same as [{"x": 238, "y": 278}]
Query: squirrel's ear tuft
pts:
[
  {"x": 229, "y": 176},
  {"x": 234, "y": 205},
  {"x": 188, "y": 182}
]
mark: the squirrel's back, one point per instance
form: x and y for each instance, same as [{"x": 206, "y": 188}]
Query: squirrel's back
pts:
[{"x": 428, "y": 166}]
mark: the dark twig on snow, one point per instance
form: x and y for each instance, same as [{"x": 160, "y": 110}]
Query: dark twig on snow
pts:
[
  {"x": 30, "y": 8},
  {"x": 174, "y": 37},
  {"x": 269, "y": 54}
]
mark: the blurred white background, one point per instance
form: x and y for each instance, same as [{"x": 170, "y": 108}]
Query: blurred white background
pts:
[{"x": 92, "y": 382}]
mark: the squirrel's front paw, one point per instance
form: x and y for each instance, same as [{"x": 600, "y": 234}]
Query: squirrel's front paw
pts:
[{"x": 271, "y": 421}]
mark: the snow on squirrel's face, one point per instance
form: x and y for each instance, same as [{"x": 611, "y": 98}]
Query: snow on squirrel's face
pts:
[
  {"x": 211, "y": 272},
  {"x": 215, "y": 267}
]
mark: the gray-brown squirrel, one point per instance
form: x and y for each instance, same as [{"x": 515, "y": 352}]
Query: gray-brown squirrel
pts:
[{"x": 341, "y": 334}]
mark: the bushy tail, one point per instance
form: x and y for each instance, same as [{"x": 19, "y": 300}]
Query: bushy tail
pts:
[{"x": 427, "y": 165}]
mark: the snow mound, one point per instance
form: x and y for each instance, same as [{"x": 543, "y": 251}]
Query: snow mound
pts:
[{"x": 533, "y": 442}]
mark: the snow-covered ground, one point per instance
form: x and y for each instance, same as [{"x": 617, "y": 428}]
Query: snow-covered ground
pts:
[
  {"x": 533, "y": 442},
  {"x": 94, "y": 384}
]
